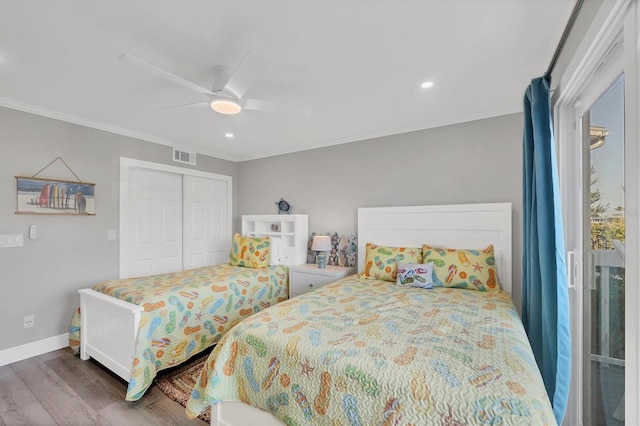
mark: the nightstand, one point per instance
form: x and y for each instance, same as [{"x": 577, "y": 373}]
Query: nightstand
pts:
[{"x": 304, "y": 278}]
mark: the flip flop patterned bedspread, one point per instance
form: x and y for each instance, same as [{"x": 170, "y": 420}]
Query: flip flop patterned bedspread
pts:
[
  {"x": 188, "y": 311},
  {"x": 364, "y": 352}
]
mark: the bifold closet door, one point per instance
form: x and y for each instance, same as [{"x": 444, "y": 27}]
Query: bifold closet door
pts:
[
  {"x": 206, "y": 236},
  {"x": 155, "y": 222}
]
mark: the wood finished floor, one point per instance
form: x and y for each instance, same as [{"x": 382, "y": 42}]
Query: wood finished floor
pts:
[{"x": 58, "y": 388}]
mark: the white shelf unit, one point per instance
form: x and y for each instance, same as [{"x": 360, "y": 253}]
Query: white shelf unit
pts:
[{"x": 292, "y": 231}]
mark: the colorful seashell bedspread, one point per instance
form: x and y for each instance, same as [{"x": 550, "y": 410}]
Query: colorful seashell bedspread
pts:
[
  {"x": 188, "y": 311},
  {"x": 365, "y": 352}
]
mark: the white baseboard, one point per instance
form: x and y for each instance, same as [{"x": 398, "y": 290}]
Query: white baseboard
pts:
[{"x": 18, "y": 353}]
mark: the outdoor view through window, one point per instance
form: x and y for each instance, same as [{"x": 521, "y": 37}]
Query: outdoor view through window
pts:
[{"x": 605, "y": 298}]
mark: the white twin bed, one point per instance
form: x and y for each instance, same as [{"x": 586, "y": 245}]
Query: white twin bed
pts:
[{"x": 138, "y": 326}]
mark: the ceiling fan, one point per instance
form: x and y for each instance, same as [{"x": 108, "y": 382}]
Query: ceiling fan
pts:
[{"x": 227, "y": 95}]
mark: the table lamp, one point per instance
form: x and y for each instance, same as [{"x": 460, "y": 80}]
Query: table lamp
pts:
[{"x": 321, "y": 243}]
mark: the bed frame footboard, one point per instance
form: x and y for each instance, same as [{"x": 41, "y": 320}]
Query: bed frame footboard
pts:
[
  {"x": 108, "y": 331},
  {"x": 233, "y": 413}
]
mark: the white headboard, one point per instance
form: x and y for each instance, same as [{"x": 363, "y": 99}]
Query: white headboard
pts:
[{"x": 468, "y": 226}]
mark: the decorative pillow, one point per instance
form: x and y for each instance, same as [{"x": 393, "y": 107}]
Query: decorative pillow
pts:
[
  {"x": 472, "y": 269},
  {"x": 250, "y": 252},
  {"x": 415, "y": 275},
  {"x": 380, "y": 261}
]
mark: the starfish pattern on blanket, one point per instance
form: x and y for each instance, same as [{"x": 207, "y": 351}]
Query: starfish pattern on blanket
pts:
[{"x": 306, "y": 368}]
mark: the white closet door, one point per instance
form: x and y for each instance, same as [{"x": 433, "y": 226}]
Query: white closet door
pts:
[
  {"x": 206, "y": 226},
  {"x": 155, "y": 222}
]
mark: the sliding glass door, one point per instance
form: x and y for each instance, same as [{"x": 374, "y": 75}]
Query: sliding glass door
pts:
[
  {"x": 597, "y": 129},
  {"x": 604, "y": 250}
]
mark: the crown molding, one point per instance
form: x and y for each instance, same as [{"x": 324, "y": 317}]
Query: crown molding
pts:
[
  {"x": 395, "y": 131},
  {"x": 81, "y": 121}
]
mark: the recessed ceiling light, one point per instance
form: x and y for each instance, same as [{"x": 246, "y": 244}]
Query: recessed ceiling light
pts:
[
  {"x": 426, "y": 84},
  {"x": 228, "y": 135}
]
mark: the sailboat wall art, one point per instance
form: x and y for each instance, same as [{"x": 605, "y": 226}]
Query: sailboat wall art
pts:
[{"x": 51, "y": 196}]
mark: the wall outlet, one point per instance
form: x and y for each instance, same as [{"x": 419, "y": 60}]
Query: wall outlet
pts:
[{"x": 29, "y": 321}]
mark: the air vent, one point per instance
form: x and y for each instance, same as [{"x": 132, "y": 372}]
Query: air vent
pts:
[{"x": 184, "y": 157}]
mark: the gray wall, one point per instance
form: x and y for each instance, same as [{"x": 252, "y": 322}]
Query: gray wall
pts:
[
  {"x": 71, "y": 252},
  {"x": 474, "y": 162}
]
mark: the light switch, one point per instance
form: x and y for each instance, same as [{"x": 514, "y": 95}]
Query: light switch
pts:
[
  {"x": 111, "y": 235},
  {"x": 11, "y": 240}
]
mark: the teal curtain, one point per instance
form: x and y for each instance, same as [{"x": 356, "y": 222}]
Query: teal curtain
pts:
[{"x": 545, "y": 304}]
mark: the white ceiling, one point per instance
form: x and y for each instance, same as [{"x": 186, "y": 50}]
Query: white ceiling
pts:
[{"x": 357, "y": 64}]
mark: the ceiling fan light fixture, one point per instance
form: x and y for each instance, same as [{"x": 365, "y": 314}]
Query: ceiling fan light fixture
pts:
[{"x": 225, "y": 106}]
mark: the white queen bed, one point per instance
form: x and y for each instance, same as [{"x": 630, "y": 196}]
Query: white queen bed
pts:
[{"x": 472, "y": 365}]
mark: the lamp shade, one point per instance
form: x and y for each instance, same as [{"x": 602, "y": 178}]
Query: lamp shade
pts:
[{"x": 321, "y": 243}]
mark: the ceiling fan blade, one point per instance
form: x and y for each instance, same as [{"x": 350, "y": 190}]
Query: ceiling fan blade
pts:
[
  {"x": 167, "y": 75},
  {"x": 245, "y": 75},
  {"x": 192, "y": 104},
  {"x": 268, "y": 106},
  {"x": 221, "y": 76}
]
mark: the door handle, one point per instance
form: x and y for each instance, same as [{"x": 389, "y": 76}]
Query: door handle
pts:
[
  {"x": 592, "y": 268},
  {"x": 571, "y": 269}
]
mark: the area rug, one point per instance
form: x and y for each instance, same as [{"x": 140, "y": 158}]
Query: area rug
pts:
[{"x": 178, "y": 382}]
